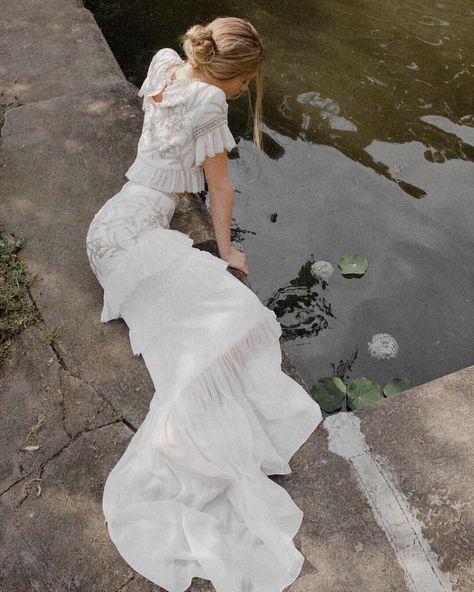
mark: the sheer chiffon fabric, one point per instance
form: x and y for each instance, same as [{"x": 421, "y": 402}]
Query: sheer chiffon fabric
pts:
[{"x": 191, "y": 497}]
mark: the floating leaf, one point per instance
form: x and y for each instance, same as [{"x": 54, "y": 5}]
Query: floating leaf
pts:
[
  {"x": 362, "y": 392},
  {"x": 352, "y": 265},
  {"x": 396, "y": 385},
  {"x": 329, "y": 393}
]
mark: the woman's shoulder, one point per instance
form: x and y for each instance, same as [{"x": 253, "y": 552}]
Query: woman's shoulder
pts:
[
  {"x": 213, "y": 100},
  {"x": 167, "y": 53},
  {"x": 215, "y": 93},
  {"x": 158, "y": 71},
  {"x": 164, "y": 58}
]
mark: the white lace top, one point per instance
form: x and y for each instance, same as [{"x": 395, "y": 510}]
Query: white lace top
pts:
[{"x": 188, "y": 124}]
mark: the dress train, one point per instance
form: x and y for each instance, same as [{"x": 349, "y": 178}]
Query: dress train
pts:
[{"x": 191, "y": 497}]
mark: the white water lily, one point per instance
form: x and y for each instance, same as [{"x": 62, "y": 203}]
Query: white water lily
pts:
[
  {"x": 322, "y": 270},
  {"x": 383, "y": 346}
]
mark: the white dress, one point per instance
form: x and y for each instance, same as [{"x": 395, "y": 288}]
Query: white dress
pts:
[{"x": 191, "y": 495}]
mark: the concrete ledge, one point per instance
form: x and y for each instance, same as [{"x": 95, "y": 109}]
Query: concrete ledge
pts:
[
  {"x": 52, "y": 48},
  {"x": 62, "y": 158}
]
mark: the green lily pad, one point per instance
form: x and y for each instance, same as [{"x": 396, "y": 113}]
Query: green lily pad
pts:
[
  {"x": 362, "y": 392},
  {"x": 396, "y": 385},
  {"x": 329, "y": 393},
  {"x": 352, "y": 265}
]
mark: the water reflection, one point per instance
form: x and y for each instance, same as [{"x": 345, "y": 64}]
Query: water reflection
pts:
[
  {"x": 415, "y": 289},
  {"x": 326, "y": 109},
  {"x": 338, "y": 73},
  {"x": 300, "y": 307}
]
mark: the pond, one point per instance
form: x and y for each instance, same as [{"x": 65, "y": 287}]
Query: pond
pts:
[{"x": 369, "y": 149}]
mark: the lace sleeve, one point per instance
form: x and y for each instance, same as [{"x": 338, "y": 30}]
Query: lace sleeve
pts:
[{"x": 211, "y": 131}]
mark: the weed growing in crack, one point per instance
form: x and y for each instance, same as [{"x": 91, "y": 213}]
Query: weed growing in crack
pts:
[{"x": 16, "y": 313}]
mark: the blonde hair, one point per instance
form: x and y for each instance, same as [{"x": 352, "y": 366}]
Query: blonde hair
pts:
[{"x": 225, "y": 48}]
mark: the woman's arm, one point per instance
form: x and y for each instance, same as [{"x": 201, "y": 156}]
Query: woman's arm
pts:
[{"x": 221, "y": 196}]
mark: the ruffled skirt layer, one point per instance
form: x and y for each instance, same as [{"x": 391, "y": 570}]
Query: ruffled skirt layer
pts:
[{"x": 191, "y": 497}]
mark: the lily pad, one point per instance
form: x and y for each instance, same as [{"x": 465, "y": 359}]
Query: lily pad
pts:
[
  {"x": 329, "y": 393},
  {"x": 352, "y": 265},
  {"x": 362, "y": 392},
  {"x": 396, "y": 385}
]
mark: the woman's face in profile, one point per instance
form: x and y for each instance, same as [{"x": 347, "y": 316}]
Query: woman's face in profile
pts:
[{"x": 234, "y": 87}]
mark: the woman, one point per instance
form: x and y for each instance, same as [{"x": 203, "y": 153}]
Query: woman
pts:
[{"x": 191, "y": 494}]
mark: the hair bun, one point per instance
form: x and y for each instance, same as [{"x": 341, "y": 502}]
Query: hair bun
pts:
[{"x": 203, "y": 46}]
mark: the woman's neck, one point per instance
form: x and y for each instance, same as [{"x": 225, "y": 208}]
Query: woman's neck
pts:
[{"x": 187, "y": 71}]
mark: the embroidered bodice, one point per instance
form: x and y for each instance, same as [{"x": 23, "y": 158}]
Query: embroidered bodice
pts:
[{"x": 188, "y": 124}]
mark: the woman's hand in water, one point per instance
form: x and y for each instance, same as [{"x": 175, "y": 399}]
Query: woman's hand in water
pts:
[{"x": 236, "y": 259}]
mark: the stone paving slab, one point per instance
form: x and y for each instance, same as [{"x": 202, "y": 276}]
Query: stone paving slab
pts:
[
  {"x": 56, "y": 533},
  {"x": 422, "y": 441},
  {"x": 43, "y": 406},
  {"x": 31, "y": 401},
  {"x": 412, "y": 456},
  {"x": 344, "y": 547},
  {"x": 52, "y": 48},
  {"x": 62, "y": 159}
]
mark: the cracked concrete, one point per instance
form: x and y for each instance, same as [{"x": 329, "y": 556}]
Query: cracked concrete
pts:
[
  {"x": 77, "y": 402},
  {"x": 44, "y": 406},
  {"x": 71, "y": 485}
]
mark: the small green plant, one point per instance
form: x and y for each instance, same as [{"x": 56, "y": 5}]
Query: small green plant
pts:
[
  {"x": 15, "y": 312},
  {"x": 49, "y": 335}
]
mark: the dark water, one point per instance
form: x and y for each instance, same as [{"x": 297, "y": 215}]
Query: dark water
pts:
[{"x": 369, "y": 148}]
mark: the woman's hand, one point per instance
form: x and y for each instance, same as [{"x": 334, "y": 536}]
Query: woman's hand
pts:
[{"x": 236, "y": 259}]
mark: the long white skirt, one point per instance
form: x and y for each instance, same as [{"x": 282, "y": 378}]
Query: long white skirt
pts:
[{"x": 191, "y": 495}]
